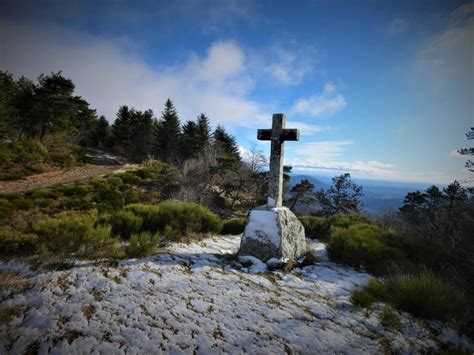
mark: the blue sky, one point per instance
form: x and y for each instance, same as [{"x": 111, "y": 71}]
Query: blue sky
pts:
[{"x": 381, "y": 89}]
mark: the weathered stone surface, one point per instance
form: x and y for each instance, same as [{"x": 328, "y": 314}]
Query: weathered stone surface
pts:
[
  {"x": 278, "y": 135},
  {"x": 273, "y": 233}
]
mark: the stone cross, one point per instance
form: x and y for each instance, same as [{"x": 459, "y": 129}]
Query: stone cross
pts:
[{"x": 278, "y": 135}]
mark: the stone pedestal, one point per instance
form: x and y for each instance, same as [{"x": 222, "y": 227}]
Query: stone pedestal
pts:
[{"x": 273, "y": 233}]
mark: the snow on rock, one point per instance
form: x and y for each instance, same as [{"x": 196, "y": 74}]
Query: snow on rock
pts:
[
  {"x": 201, "y": 298},
  {"x": 274, "y": 232}
]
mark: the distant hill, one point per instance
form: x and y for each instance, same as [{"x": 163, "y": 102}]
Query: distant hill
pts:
[{"x": 379, "y": 195}]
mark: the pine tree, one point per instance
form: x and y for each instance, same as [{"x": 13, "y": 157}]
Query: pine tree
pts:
[
  {"x": 122, "y": 131},
  {"x": 142, "y": 135},
  {"x": 191, "y": 144},
  {"x": 98, "y": 136},
  {"x": 54, "y": 105},
  {"x": 204, "y": 132},
  {"x": 167, "y": 135},
  {"x": 225, "y": 145}
]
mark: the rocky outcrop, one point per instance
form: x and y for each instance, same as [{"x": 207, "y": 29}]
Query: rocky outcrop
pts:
[{"x": 273, "y": 233}]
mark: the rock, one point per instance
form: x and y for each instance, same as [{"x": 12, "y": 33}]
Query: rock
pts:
[{"x": 273, "y": 233}]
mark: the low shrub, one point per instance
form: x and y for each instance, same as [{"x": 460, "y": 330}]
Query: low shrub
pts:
[
  {"x": 174, "y": 218},
  {"x": 61, "y": 152},
  {"x": 124, "y": 223},
  {"x": 71, "y": 235},
  {"x": 309, "y": 258},
  {"x": 42, "y": 193},
  {"x": 141, "y": 244},
  {"x": 316, "y": 227},
  {"x": 426, "y": 295},
  {"x": 109, "y": 200},
  {"x": 363, "y": 244},
  {"x": 148, "y": 213},
  {"x": 234, "y": 225},
  {"x": 347, "y": 220},
  {"x": 390, "y": 319},
  {"x": 130, "y": 178},
  {"x": 368, "y": 294},
  {"x": 16, "y": 243},
  {"x": 77, "y": 189}
]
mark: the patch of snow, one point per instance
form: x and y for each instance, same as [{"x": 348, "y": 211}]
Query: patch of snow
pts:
[
  {"x": 194, "y": 298},
  {"x": 263, "y": 225},
  {"x": 256, "y": 265}
]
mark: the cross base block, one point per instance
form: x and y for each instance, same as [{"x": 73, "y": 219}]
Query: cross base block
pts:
[{"x": 273, "y": 233}]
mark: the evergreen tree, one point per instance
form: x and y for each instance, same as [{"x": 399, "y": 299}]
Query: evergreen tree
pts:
[
  {"x": 225, "y": 145},
  {"x": 190, "y": 141},
  {"x": 413, "y": 207},
  {"x": 204, "y": 132},
  {"x": 24, "y": 101},
  {"x": 54, "y": 104},
  {"x": 302, "y": 192},
  {"x": 167, "y": 135},
  {"x": 342, "y": 197},
  {"x": 99, "y": 135},
  {"x": 142, "y": 135},
  {"x": 121, "y": 132},
  {"x": 7, "y": 108}
]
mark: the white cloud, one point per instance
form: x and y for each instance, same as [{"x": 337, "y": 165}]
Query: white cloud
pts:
[
  {"x": 322, "y": 150},
  {"x": 287, "y": 63},
  {"x": 366, "y": 169},
  {"x": 321, "y": 157},
  {"x": 454, "y": 154},
  {"x": 327, "y": 103},
  {"x": 449, "y": 54},
  {"x": 108, "y": 75},
  {"x": 307, "y": 129},
  {"x": 397, "y": 26}
]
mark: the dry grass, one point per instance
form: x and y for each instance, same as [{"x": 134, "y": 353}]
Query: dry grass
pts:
[
  {"x": 88, "y": 311},
  {"x": 13, "y": 282},
  {"x": 7, "y": 313}
]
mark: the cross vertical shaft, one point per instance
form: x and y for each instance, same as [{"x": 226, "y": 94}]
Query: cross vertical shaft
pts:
[
  {"x": 278, "y": 135},
  {"x": 275, "y": 183}
]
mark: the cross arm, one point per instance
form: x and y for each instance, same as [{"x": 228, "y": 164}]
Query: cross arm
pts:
[{"x": 288, "y": 134}]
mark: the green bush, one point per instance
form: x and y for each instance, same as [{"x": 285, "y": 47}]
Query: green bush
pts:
[
  {"x": 42, "y": 193},
  {"x": 130, "y": 178},
  {"x": 368, "y": 294},
  {"x": 234, "y": 226},
  {"x": 178, "y": 218},
  {"x": 141, "y": 244},
  {"x": 21, "y": 158},
  {"x": 363, "y": 244},
  {"x": 347, "y": 220},
  {"x": 109, "y": 200},
  {"x": 426, "y": 295},
  {"x": 15, "y": 243},
  {"x": 148, "y": 213},
  {"x": 316, "y": 227},
  {"x": 124, "y": 223},
  {"x": 71, "y": 235},
  {"x": 390, "y": 319},
  {"x": 78, "y": 189}
]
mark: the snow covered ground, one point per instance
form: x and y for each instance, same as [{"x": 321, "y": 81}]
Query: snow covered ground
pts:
[{"x": 196, "y": 298}]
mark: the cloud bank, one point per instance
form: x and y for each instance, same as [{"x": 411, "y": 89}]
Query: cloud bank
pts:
[
  {"x": 108, "y": 74},
  {"x": 327, "y": 103}
]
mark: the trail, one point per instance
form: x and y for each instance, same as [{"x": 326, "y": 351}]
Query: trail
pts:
[{"x": 60, "y": 176}]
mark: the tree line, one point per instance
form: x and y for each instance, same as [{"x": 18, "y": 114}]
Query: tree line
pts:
[
  {"x": 49, "y": 106},
  {"x": 211, "y": 170}
]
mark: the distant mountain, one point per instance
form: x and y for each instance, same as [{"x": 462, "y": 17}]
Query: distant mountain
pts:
[
  {"x": 318, "y": 182},
  {"x": 379, "y": 195}
]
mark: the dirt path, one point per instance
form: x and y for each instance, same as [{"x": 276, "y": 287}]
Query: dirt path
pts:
[{"x": 60, "y": 176}]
